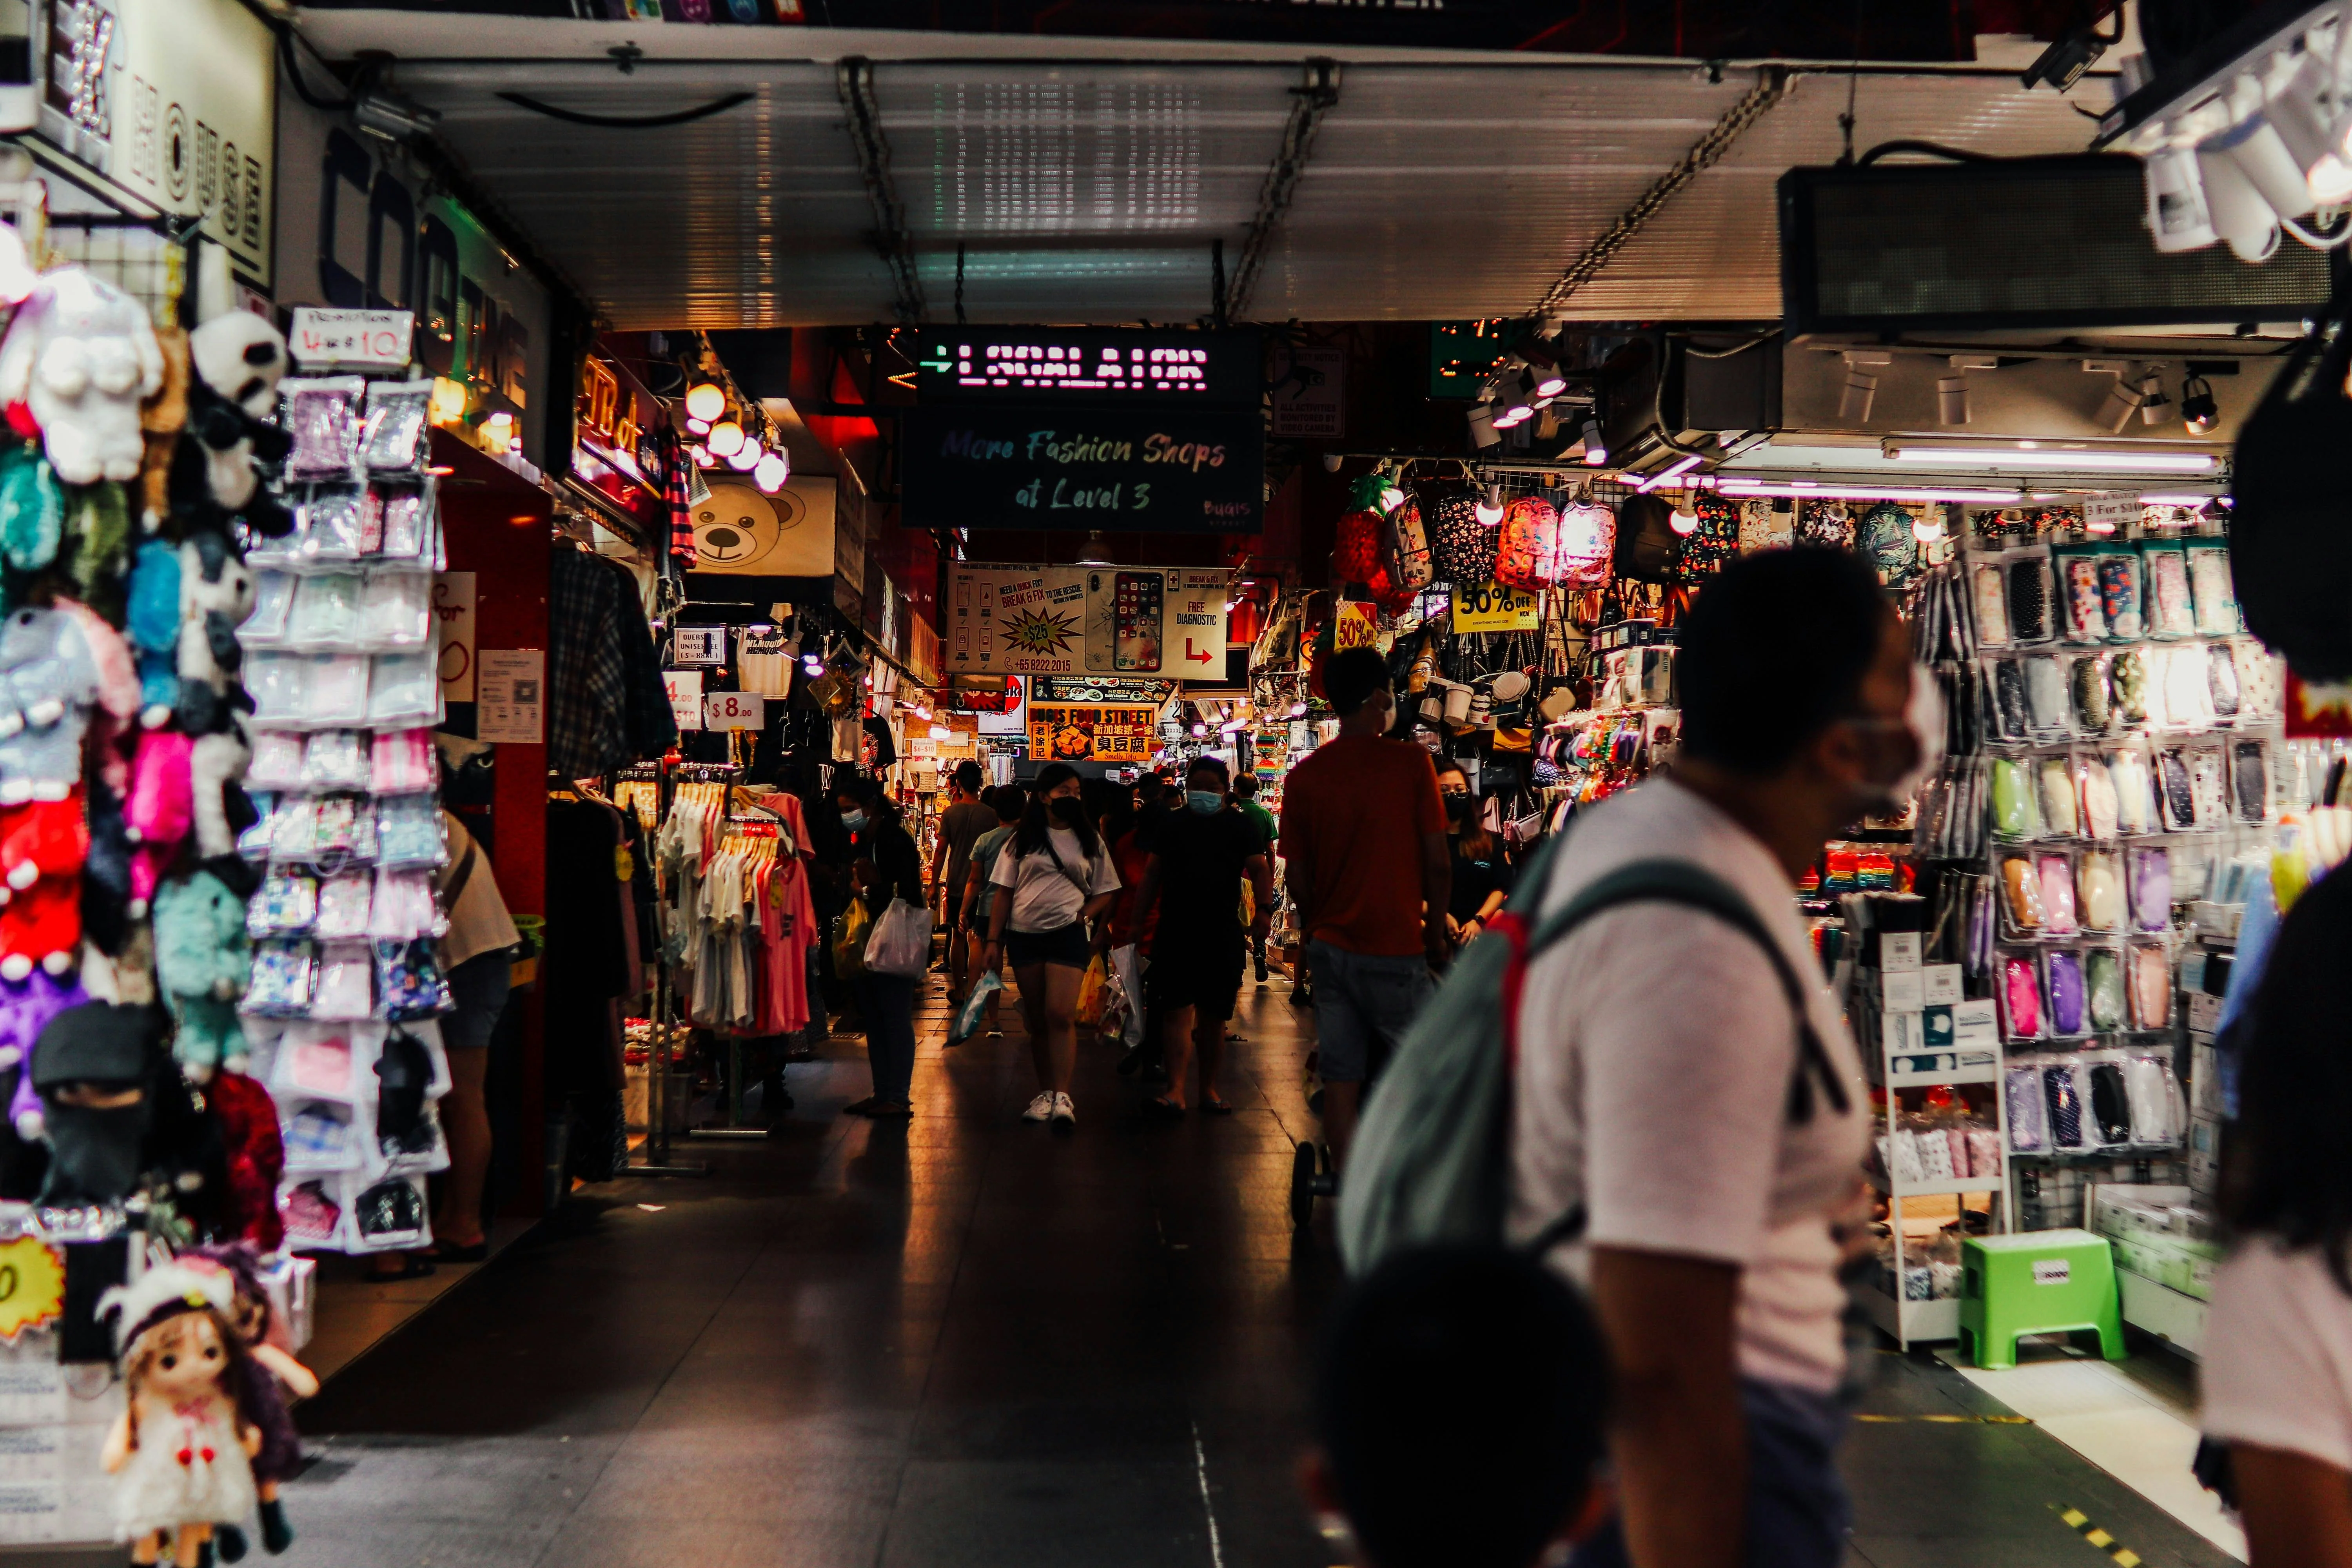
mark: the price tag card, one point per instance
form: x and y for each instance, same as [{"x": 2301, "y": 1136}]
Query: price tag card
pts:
[
  {"x": 700, "y": 645},
  {"x": 1492, "y": 607},
  {"x": 351, "y": 340},
  {"x": 1942, "y": 984},
  {"x": 1898, "y": 950},
  {"x": 732, "y": 710},
  {"x": 685, "y": 687}
]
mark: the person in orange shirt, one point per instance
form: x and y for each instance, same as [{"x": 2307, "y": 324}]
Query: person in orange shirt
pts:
[{"x": 1363, "y": 834}]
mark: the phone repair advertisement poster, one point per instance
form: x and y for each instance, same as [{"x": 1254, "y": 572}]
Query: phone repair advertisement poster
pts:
[
  {"x": 1092, "y": 732},
  {"x": 1162, "y": 621}
]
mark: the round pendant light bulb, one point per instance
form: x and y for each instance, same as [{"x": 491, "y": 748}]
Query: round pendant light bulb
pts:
[
  {"x": 726, "y": 438},
  {"x": 1391, "y": 499},
  {"x": 1685, "y": 522},
  {"x": 770, "y": 472},
  {"x": 705, "y": 402},
  {"x": 1488, "y": 508},
  {"x": 698, "y": 427},
  {"x": 745, "y": 458}
]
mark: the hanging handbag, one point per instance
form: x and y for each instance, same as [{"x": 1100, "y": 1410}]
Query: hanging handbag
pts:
[{"x": 2289, "y": 549}]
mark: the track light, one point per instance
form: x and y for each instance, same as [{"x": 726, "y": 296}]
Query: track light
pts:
[
  {"x": 1929, "y": 526},
  {"x": 1596, "y": 446},
  {"x": 2123, "y": 400},
  {"x": 705, "y": 402},
  {"x": 2196, "y": 408},
  {"x": 726, "y": 438},
  {"x": 698, "y": 426},
  {"x": 1519, "y": 396},
  {"x": 2152, "y": 401},
  {"x": 1860, "y": 392},
  {"x": 1483, "y": 433},
  {"x": 2177, "y": 215},
  {"x": 1684, "y": 519},
  {"x": 1952, "y": 399},
  {"x": 1488, "y": 508}
]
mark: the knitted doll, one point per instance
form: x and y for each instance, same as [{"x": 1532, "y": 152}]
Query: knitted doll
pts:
[
  {"x": 181, "y": 1452},
  {"x": 276, "y": 1373}
]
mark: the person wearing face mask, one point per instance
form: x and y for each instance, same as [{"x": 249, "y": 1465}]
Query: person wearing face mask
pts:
[
  {"x": 1482, "y": 873},
  {"x": 1657, "y": 1048},
  {"x": 884, "y": 866},
  {"x": 1192, "y": 881},
  {"x": 1054, "y": 876}
]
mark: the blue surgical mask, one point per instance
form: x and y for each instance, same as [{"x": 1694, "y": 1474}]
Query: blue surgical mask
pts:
[
  {"x": 1204, "y": 801},
  {"x": 853, "y": 820}
]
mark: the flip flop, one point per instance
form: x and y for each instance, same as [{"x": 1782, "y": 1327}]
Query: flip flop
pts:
[
  {"x": 1162, "y": 1108},
  {"x": 1220, "y": 1107}
]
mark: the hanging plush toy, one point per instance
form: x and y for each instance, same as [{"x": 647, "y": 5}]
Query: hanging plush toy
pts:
[
  {"x": 94, "y": 1070},
  {"x": 274, "y": 1373},
  {"x": 152, "y": 623},
  {"x": 203, "y": 963},
  {"x": 182, "y": 1451},
  {"x": 237, "y": 359},
  {"x": 80, "y": 356},
  {"x": 215, "y": 595}
]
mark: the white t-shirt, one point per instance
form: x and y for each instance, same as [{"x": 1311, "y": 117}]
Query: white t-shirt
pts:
[
  {"x": 763, "y": 663},
  {"x": 1044, "y": 897},
  {"x": 2278, "y": 1353},
  {"x": 1656, "y": 1049}
]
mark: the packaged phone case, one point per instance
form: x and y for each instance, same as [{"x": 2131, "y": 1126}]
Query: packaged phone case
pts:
[
  {"x": 2012, "y": 718},
  {"x": 2099, "y": 890},
  {"x": 2020, "y": 883},
  {"x": 2171, "y": 612},
  {"x": 2097, "y": 788},
  {"x": 2127, "y": 681},
  {"x": 395, "y": 441},
  {"x": 2188, "y": 686},
  {"x": 332, "y": 525},
  {"x": 336, "y": 691},
  {"x": 2054, "y": 779},
  {"x": 2056, "y": 872},
  {"x": 323, "y": 414},
  {"x": 336, "y": 759},
  {"x": 2084, "y": 617},
  {"x": 2102, "y": 988},
  {"x": 276, "y": 759},
  {"x": 2065, "y": 1104},
  {"x": 2214, "y": 588},
  {"x": 280, "y": 985},
  {"x": 2173, "y": 790},
  {"x": 344, "y": 900},
  {"x": 2151, "y": 887},
  {"x": 2221, "y": 682},
  {"x": 2136, "y": 808},
  {"x": 2062, "y": 981},
  {"x": 2016, "y": 810},
  {"x": 2119, "y": 591},
  {"x": 394, "y": 611},
  {"x": 405, "y": 690},
  {"x": 2048, "y": 709},
  {"x": 405, "y": 760},
  {"x": 2250, "y": 778},
  {"x": 2086, "y": 689},
  {"x": 1988, "y": 599},
  {"x": 2150, "y": 978},
  {"x": 2020, "y": 997},
  {"x": 2031, "y": 592}
]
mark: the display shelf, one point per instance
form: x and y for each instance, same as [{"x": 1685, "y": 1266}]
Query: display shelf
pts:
[
  {"x": 2173, "y": 1316},
  {"x": 1957, "y": 1187},
  {"x": 1904, "y": 1321}
]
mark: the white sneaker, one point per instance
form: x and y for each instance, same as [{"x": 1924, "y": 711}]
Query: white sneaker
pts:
[
  {"x": 1064, "y": 1111},
  {"x": 1040, "y": 1108}
]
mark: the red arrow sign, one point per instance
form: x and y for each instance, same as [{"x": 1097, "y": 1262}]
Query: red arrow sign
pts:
[{"x": 1198, "y": 658}]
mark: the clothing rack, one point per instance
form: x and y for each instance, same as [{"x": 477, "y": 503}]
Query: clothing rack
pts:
[
  {"x": 755, "y": 827},
  {"x": 659, "y": 1160}
]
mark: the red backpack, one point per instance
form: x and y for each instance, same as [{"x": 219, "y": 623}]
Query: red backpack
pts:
[{"x": 1528, "y": 556}]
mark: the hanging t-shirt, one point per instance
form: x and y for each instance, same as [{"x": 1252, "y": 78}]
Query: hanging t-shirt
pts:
[
  {"x": 763, "y": 663},
  {"x": 1045, "y": 898}
]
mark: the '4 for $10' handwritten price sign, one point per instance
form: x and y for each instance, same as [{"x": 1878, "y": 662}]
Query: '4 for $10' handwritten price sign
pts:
[{"x": 351, "y": 340}]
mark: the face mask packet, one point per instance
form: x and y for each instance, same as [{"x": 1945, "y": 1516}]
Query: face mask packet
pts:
[
  {"x": 253, "y": 844},
  {"x": 410, "y": 980},
  {"x": 2062, "y": 1092},
  {"x": 2119, "y": 591},
  {"x": 325, "y": 417},
  {"x": 315, "y": 1062},
  {"x": 2099, "y": 898},
  {"x": 345, "y": 901},
  {"x": 2175, "y": 796},
  {"x": 346, "y": 988},
  {"x": 2151, "y": 887},
  {"x": 2222, "y": 683},
  {"x": 294, "y": 830},
  {"x": 2188, "y": 686},
  {"x": 408, "y": 833},
  {"x": 273, "y": 601},
  {"x": 396, "y": 423},
  {"x": 2049, "y": 712},
  {"x": 279, "y": 685},
  {"x": 405, "y": 690},
  {"x": 2094, "y": 787},
  {"x": 345, "y": 831},
  {"x": 2033, "y": 593},
  {"x": 2024, "y": 918},
  {"x": 332, "y": 525},
  {"x": 2262, "y": 681},
  {"x": 2011, "y": 719},
  {"x": 2056, "y": 871},
  {"x": 2100, "y": 1080},
  {"x": 2136, "y": 810},
  {"x": 2016, "y": 800},
  {"x": 2082, "y": 611},
  {"x": 2087, "y": 690},
  {"x": 2251, "y": 776},
  {"x": 276, "y": 759},
  {"x": 2029, "y": 1116},
  {"x": 389, "y": 1215},
  {"x": 2103, "y": 987},
  {"x": 2056, "y": 791},
  {"x": 407, "y": 520},
  {"x": 405, "y": 908},
  {"x": 317, "y": 1135},
  {"x": 336, "y": 759},
  {"x": 2023, "y": 1013},
  {"x": 287, "y": 905},
  {"x": 2065, "y": 985},
  {"x": 1988, "y": 599},
  {"x": 2157, "y": 1104},
  {"x": 2147, "y": 974},
  {"x": 335, "y": 687},
  {"x": 394, "y": 611},
  {"x": 2212, "y": 588},
  {"x": 405, "y": 760},
  {"x": 282, "y": 977},
  {"x": 2171, "y": 611}
]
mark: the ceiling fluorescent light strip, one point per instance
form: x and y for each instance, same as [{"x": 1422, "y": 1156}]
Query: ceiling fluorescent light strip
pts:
[
  {"x": 1667, "y": 476},
  {"x": 1801, "y": 489},
  {"x": 2058, "y": 458}
]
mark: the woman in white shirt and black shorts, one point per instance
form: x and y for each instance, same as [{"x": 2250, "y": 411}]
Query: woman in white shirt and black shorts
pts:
[
  {"x": 2278, "y": 1339},
  {"x": 1059, "y": 874}
]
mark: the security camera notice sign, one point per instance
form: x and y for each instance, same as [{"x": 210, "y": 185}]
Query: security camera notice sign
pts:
[{"x": 1121, "y": 469}]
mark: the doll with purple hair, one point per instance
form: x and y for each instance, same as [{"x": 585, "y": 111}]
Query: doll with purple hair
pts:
[{"x": 262, "y": 1403}]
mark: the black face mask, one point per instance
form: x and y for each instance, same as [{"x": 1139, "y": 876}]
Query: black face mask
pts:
[
  {"x": 1457, "y": 804},
  {"x": 1066, "y": 810},
  {"x": 95, "y": 1153},
  {"x": 405, "y": 1067}
]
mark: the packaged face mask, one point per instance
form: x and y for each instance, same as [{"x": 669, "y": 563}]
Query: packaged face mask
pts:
[
  {"x": 2046, "y": 703},
  {"x": 2110, "y": 1107},
  {"x": 2021, "y": 895},
  {"x": 2170, "y": 611},
  {"x": 281, "y": 987},
  {"x": 2135, "y": 809},
  {"x": 337, "y": 760},
  {"x": 337, "y": 690},
  {"x": 2085, "y": 614},
  {"x": 2221, "y": 681},
  {"x": 405, "y": 760},
  {"x": 346, "y": 986},
  {"x": 2187, "y": 688},
  {"x": 2249, "y": 779},
  {"x": 2065, "y": 1103},
  {"x": 2030, "y": 595},
  {"x": 2021, "y": 993},
  {"x": 2151, "y": 888},
  {"x": 406, "y": 522},
  {"x": 278, "y": 684},
  {"x": 2119, "y": 591},
  {"x": 408, "y": 832},
  {"x": 287, "y": 905},
  {"x": 2069, "y": 1008},
  {"x": 323, "y": 415},
  {"x": 2097, "y": 787},
  {"x": 326, "y": 611},
  {"x": 2127, "y": 677},
  {"x": 404, "y": 907},
  {"x": 2056, "y": 873},
  {"x": 2103, "y": 983},
  {"x": 2262, "y": 680},
  {"x": 276, "y": 759},
  {"x": 2151, "y": 986},
  {"x": 2214, "y": 588},
  {"x": 395, "y": 437},
  {"x": 394, "y": 611},
  {"x": 2056, "y": 781},
  {"x": 273, "y": 601},
  {"x": 405, "y": 690},
  {"x": 344, "y": 902},
  {"x": 332, "y": 525},
  {"x": 1990, "y": 596},
  {"x": 2016, "y": 810},
  {"x": 2174, "y": 793},
  {"x": 2029, "y": 1122},
  {"x": 2099, "y": 887},
  {"x": 410, "y": 980},
  {"x": 2086, "y": 684},
  {"x": 2209, "y": 786},
  {"x": 2013, "y": 717}
]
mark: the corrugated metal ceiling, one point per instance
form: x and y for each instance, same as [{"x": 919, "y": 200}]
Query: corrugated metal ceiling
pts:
[{"x": 1092, "y": 191}]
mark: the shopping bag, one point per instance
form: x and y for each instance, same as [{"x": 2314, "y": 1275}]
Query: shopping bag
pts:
[
  {"x": 901, "y": 942},
  {"x": 968, "y": 1016},
  {"x": 850, "y": 929},
  {"x": 1129, "y": 967},
  {"x": 1116, "y": 1008},
  {"x": 1093, "y": 993}
]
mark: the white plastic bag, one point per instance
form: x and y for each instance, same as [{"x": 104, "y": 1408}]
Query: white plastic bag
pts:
[
  {"x": 901, "y": 942},
  {"x": 1126, "y": 963}
]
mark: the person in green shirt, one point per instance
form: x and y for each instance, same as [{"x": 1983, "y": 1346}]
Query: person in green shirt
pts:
[{"x": 1246, "y": 797}]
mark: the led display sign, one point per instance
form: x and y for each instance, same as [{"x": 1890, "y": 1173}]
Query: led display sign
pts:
[{"x": 1110, "y": 365}]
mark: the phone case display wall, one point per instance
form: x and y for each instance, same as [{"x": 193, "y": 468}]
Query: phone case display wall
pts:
[
  {"x": 347, "y": 836},
  {"x": 2115, "y": 761}
]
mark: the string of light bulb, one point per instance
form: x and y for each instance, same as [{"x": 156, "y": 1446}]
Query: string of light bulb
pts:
[{"x": 722, "y": 433}]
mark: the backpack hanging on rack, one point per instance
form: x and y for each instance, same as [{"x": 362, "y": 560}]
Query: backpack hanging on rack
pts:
[
  {"x": 1588, "y": 540},
  {"x": 1355, "y": 552},
  {"x": 1461, "y": 548},
  {"x": 1528, "y": 555},
  {"x": 1408, "y": 549},
  {"x": 1647, "y": 544}
]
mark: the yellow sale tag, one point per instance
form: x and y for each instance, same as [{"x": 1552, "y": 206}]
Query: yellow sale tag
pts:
[
  {"x": 32, "y": 1285},
  {"x": 1492, "y": 607}
]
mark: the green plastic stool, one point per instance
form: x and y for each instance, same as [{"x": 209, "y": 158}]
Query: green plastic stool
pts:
[{"x": 2037, "y": 1282}]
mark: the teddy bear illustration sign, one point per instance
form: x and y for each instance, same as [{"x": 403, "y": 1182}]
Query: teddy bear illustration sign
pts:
[{"x": 351, "y": 339}]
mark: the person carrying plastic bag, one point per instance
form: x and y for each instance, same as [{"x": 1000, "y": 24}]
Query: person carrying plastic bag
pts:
[{"x": 889, "y": 878}]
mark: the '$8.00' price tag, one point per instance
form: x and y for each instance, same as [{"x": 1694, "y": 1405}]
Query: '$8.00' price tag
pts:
[{"x": 732, "y": 710}]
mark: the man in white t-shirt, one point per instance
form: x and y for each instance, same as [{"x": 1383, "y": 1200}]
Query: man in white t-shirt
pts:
[{"x": 1657, "y": 1047}]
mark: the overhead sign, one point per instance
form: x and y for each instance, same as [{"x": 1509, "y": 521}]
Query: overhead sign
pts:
[
  {"x": 1492, "y": 607},
  {"x": 1110, "y": 468},
  {"x": 171, "y": 102},
  {"x": 738, "y": 529},
  {"x": 1081, "y": 620},
  {"x": 1092, "y": 732},
  {"x": 1097, "y": 367},
  {"x": 1102, "y": 689},
  {"x": 1310, "y": 392}
]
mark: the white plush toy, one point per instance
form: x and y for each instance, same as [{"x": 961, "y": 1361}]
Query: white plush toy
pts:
[{"x": 81, "y": 355}]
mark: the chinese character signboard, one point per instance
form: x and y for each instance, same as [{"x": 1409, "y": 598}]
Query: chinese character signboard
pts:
[{"x": 1092, "y": 732}]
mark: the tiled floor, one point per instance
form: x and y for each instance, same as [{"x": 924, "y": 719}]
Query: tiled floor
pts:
[{"x": 966, "y": 1342}]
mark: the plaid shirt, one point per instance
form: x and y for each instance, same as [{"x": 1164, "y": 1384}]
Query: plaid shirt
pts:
[{"x": 589, "y": 613}]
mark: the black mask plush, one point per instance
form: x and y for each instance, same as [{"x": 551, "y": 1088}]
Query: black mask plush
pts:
[
  {"x": 96, "y": 1052},
  {"x": 406, "y": 1068}
]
